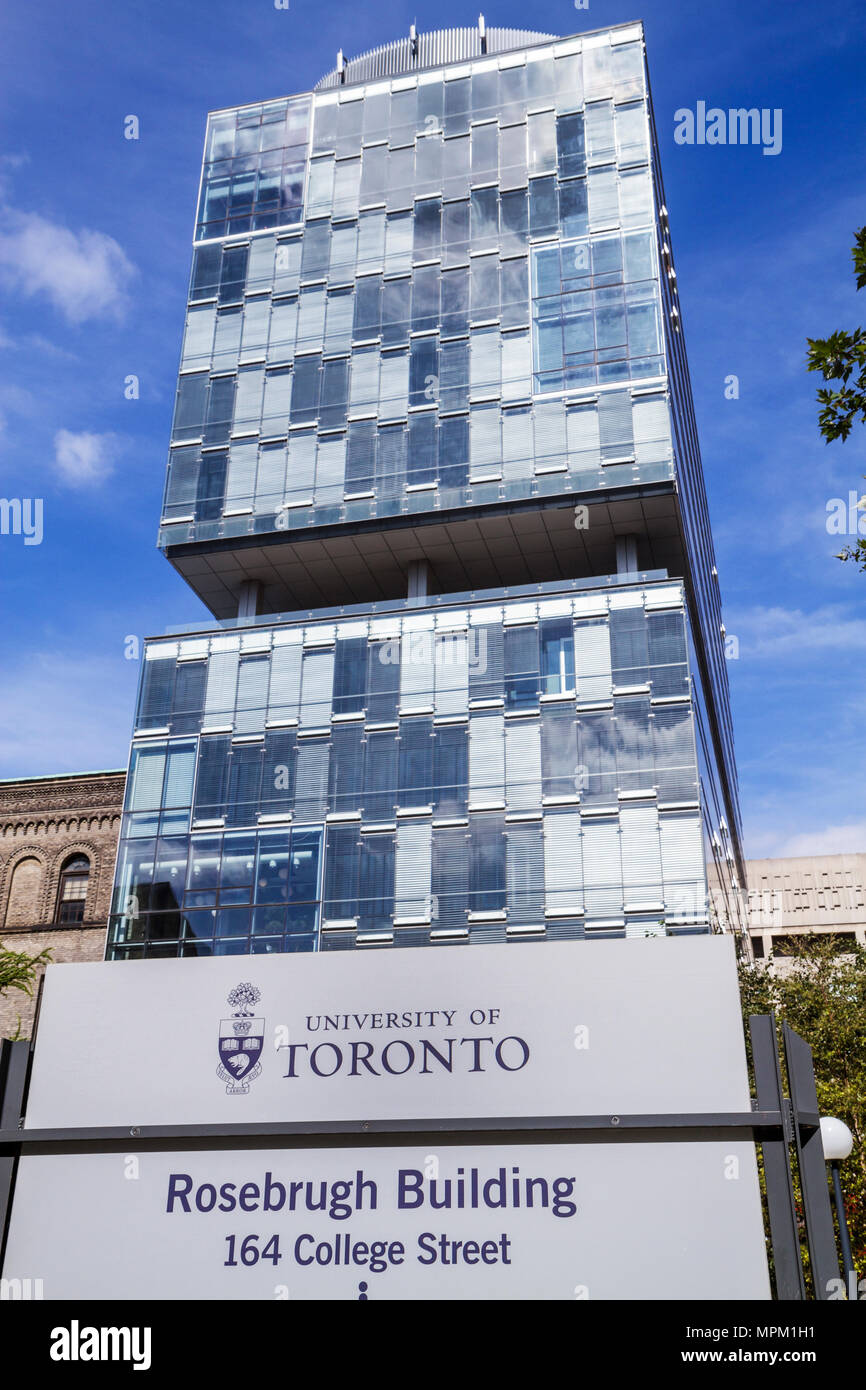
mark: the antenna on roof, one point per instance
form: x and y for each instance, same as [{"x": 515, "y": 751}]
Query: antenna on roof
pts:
[
  {"x": 341, "y": 65},
  {"x": 482, "y": 31},
  {"x": 413, "y": 40}
]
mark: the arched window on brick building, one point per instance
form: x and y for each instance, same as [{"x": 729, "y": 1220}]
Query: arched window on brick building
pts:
[
  {"x": 25, "y": 892},
  {"x": 72, "y": 893}
]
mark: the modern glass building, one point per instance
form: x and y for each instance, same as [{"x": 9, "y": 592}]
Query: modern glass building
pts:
[{"x": 434, "y": 470}]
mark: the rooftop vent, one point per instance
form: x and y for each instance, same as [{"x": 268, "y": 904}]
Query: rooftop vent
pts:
[{"x": 419, "y": 51}]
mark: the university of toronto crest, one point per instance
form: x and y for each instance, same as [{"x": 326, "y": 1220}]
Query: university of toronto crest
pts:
[{"x": 242, "y": 1038}]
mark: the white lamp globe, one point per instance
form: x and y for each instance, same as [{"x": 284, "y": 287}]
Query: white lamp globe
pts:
[{"x": 837, "y": 1139}]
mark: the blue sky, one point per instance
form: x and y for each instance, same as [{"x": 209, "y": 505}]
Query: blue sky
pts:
[{"x": 95, "y": 235}]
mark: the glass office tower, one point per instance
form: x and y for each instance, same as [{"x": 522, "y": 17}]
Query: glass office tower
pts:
[{"x": 434, "y": 470}]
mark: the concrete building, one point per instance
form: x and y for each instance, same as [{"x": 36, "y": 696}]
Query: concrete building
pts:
[
  {"x": 434, "y": 469},
  {"x": 825, "y": 894},
  {"x": 58, "y": 842}
]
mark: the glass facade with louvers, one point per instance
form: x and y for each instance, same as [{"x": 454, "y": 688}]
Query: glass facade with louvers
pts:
[
  {"x": 433, "y": 346},
  {"x": 505, "y": 767},
  {"x": 462, "y": 307}
]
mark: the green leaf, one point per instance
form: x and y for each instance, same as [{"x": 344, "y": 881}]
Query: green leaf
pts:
[{"x": 858, "y": 252}]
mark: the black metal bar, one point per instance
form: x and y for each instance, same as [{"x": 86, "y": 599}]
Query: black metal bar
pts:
[
  {"x": 37, "y": 1010},
  {"x": 810, "y": 1159},
  {"x": 844, "y": 1236},
  {"x": 784, "y": 1235},
  {"x": 597, "y": 1126},
  {"x": 14, "y": 1059}
]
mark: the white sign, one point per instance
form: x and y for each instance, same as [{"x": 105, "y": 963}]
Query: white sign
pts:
[
  {"x": 553, "y": 1029},
  {"x": 610, "y": 1220}
]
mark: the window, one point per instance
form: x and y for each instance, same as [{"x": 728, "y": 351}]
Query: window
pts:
[
  {"x": 346, "y": 766},
  {"x": 454, "y": 455},
  {"x": 634, "y": 745},
  {"x": 557, "y": 656},
  {"x": 335, "y": 393},
  {"x": 667, "y": 654},
  {"x": 190, "y": 406},
  {"x": 561, "y": 775},
  {"x": 595, "y": 304},
  {"x": 453, "y": 383},
  {"x": 244, "y": 783},
  {"x": 360, "y": 461},
  {"x": 597, "y": 758},
  {"x": 380, "y": 767},
  {"x": 484, "y": 288},
  {"x": 487, "y": 879},
  {"x": 391, "y": 460},
  {"x": 311, "y": 316},
  {"x": 253, "y": 173},
  {"x": 484, "y": 219},
  {"x": 396, "y": 299},
  {"x": 629, "y": 653},
  {"x": 368, "y": 308},
  {"x": 515, "y": 220},
  {"x": 415, "y": 762},
  {"x": 350, "y": 669},
  {"x": 342, "y": 863},
  {"x": 315, "y": 249},
  {"x": 521, "y": 667},
  {"x": 425, "y": 299},
  {"x": 212, "y": 779},
  {"x": 428, "y": 229},
  {"x": 543, "y": 207},
  {"x": 221, "y": 406},
  {"x": 423, "y": 375},
  {"x": 188, "y": 699},
  {"x": 302, "y": 919},
  {"x": 421, "y": 459},
  {"x": 570, "y": 145},
  {"x": 305, "y": 389},
  {"x": 450, "y": 769},
  {"x": 169, "y": 876},
  {"x": 455, "y": 230},
  {"x": 376, "y": 882},
  {"x": 72, "y": 894}
]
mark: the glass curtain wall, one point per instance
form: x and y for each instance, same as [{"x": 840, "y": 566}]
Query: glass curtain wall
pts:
[{"x": 514, "y": 768}]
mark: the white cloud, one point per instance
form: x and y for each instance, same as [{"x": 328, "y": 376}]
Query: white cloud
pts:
[
  {"x": 833, "y": 839},
  {"x": 9, "y": 163},
  {"x": 85, "y": 274},
  {"x": 774, "y": 632},
  {"x": 14, "y": 400},
  {"x": 84, "y": 459}
]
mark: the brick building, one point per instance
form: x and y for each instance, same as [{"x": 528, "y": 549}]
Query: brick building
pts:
[{"x": 58, "y": 842}]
